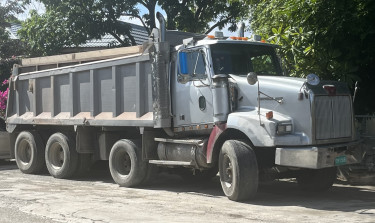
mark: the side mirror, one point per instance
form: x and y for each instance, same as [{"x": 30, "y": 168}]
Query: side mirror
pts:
[
  {"x": 183, "y": 63},
  {"x": 252, "y": 78}
]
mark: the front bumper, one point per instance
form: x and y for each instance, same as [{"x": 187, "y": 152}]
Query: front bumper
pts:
[{"x": 318, "y": 157}]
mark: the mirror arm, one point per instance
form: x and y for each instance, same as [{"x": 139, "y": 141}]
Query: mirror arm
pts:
[
  {"x": 280, "y": 101},
  {"x": 260, "y": 120}
]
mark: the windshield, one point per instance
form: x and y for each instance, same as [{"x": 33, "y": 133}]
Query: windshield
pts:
[{"x": 240, "y": 59}]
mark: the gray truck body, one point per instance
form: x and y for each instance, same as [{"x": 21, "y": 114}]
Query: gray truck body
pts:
[
  {"x": 183, "y": 106},
  {"x": 122, "y": 92},
  {"x": 113, "y": 92}
]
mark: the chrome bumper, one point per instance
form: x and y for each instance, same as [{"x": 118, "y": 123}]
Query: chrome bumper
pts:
[{"x": 318, "y": 157}]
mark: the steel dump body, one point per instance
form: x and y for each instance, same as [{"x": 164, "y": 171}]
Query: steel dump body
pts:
[{"x": 111, "y": 92}]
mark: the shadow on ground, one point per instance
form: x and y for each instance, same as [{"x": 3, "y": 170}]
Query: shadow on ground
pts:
[
  {"x": 281, "y": 193},
  {"x": 277, "y": 193},
  {"x": 7, "y": 165}
]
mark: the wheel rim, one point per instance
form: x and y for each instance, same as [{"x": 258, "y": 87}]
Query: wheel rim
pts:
[
  {"x": 123, "y": 163},
  {"x": 227, "y": 177},
  {"x": 56, "y": 156},
  {"x": 24, "y": 152}
]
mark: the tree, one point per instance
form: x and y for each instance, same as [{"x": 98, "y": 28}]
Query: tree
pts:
[
  {"x": 8, "y": 48},
  {"x": 196, "y": 16},
  {"x": 333, "y": 39},
  {"x": 72, "y": 22}
]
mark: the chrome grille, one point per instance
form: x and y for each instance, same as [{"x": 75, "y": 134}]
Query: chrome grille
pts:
[{"x": 333, "y": 117}]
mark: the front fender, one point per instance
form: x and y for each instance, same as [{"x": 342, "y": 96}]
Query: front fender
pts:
[{"x": 260, "y": 130}]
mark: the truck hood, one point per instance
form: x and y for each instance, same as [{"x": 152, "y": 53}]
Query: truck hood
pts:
[
  {"x": 282, "y": 88},
  {"x": 279, "y": 87},
  {"x": 287, "y": 90},
  {"x": 287, "y": 87}
]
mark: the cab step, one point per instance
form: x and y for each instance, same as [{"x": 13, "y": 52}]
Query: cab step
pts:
[{"x": 170, "y": 163}]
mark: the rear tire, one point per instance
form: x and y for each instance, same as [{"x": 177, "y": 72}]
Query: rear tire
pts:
[
  {"x": 238, "y": 170},
  {"x": 29, "y": 152},
  {"x": 317, "y": 180},
  {"x": 126, "y": 165},
  {"x": 61, "y": 156}
]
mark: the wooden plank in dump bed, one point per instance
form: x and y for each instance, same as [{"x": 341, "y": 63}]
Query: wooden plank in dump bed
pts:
[{"x": 50, "y": 62}]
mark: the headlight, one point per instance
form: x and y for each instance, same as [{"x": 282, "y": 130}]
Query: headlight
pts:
[{"x": 284, "y": 128}]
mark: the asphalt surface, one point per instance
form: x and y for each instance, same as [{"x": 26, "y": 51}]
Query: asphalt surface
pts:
[{"x": 96, "y": 198}]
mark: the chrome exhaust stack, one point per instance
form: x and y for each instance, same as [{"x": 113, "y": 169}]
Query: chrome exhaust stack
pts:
[
  {"x": 162, "y": 28},
  {"x": 241, "y": 30}
]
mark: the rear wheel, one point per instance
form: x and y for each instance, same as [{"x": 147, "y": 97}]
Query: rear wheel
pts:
[
  {"x": 317, "y": 180},
  {"x": 126, "y": 165},
  {"x": 29, "y": 152},
  {"x": 61, "y": 156},
  {"x": 238, "y": 170}
]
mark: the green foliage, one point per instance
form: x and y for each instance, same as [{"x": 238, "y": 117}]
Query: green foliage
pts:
[
  {"x": 72, "y": 22},
  {"x": 9, "y": 48},
  {"x": 196, "y": 16},
  {"x": 40, "y": 33},
  {"x": 333, "y": 39},
  {"x": 8, "y": 10}
]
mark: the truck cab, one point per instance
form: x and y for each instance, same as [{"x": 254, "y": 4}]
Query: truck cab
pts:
[{"x": 235, "y": 90}]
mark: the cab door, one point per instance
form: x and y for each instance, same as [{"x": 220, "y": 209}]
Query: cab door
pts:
[{"x": 191, "y": 92}]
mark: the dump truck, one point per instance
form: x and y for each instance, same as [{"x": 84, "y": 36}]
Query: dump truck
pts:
[{"x": 192, "y": 103}]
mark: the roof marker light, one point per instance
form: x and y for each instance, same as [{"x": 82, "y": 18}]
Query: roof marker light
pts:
[
  {"x": 257, "y": 38},
  {"x": 219, "y": 34}
]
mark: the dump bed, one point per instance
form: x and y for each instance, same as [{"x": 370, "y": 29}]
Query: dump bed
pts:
[{"x": 113, "y": 91}]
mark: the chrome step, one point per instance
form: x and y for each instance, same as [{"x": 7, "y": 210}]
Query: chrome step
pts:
[
  {"x": 171, "y": 163},
  {"x": 197, "y": 142}
]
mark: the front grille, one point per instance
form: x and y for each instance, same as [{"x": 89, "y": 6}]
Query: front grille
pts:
[{"x": 333, "y": 117}]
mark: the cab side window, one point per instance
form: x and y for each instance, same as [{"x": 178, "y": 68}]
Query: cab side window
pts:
[{"x": 192, "y": 66}]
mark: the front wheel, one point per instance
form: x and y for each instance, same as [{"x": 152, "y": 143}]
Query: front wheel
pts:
[
  {"x": 238, "y": 170},
  {"x": 317, "y": 180}
]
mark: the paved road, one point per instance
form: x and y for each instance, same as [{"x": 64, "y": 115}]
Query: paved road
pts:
[{"x": 96, "y": 198}]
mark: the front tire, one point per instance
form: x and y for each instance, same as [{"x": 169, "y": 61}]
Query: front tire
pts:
[
  {"x": 238, "y": 170},
  {"x": 126, "y": 165},
  {"x": 317, "y": 180},
  {"x": 61, "y": 156},
  {"x": 29, "y": 152}
]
